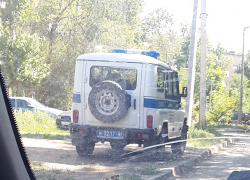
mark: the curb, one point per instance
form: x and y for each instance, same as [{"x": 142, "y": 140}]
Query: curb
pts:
[{"x": 188, "y": 165}]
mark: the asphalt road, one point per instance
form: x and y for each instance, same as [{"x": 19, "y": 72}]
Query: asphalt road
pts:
[
  {"x": 57, "y": 159},
  {"x": 236, "y": 157}
]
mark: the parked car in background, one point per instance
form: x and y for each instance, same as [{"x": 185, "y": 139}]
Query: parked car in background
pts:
[
  {"x": 63, "y": 120},
  {"x": 245, "y": 118},
  {"x": 30, "y": 104}
]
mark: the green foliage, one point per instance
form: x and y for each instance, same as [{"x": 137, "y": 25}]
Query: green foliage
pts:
[
  {"x": 222, "y": 61},
  {"x": 235, "y": 92},
  {"x": 36, "y": 122},
  {"x": 212, "y": 128},
  {"x": 40, "y": 41},
  {"x": 182, "y": 57},
  {"x": 157, "y": 34},
  {"x": 220, "y": 107},
  {"x": 194, "y": 133},
  {"x": 46, "y": 136}
]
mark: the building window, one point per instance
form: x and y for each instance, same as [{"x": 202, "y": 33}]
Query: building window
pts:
[
  {"x": 235, "y": 67},
  {"x": 227, "y": 74}
]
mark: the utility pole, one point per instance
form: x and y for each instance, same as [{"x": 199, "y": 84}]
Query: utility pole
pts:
[
  {"x": 191, "y": 66},
  {"x": 242, "y": 78},
  {"x": 202, "y": 105}
]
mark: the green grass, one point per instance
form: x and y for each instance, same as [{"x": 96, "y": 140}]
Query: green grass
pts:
[
  {"x": 36, "y": 164},
  {"x": 210, "y": 131},
  {"x": 38, "y": 125},
  {"x": 46, "y": 136},
  {"x": 194, "y": 133},
  {"x": 220, "y": 125},
  {"x": 37, "y": 122}
]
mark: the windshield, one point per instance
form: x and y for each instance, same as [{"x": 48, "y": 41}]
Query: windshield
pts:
[{"x": 153, "y": 89}]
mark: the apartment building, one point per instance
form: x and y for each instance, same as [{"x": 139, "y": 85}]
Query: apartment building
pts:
[{"x": 231, "y": 70}]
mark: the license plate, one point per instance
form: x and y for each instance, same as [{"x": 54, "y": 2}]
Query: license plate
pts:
[
  {"x": 110, "y": 134},
  {"x": 65, "y": 123}
]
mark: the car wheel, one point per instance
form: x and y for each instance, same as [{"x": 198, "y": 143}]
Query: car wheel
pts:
[
  {"x": 118, "y": 145},
  {"x": 85, "y": 149},
  {"x": 162, "y": 138},
  {"x": 179, "y": 148},
  {"x": 108, "y": 102}
]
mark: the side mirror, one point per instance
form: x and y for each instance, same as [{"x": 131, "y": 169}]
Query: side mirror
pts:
[{"x": 184, "y": 92}]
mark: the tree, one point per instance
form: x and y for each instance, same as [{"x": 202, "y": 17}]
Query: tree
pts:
[
  {"x": 221, "y": 106},
  {"x": 157, "y": 32},
  {"x": 235, "y": 92},
  {"x": 40, "y": 41},
  {"x": 182, "y": 58},
  {"x": 20, "y": 50}
]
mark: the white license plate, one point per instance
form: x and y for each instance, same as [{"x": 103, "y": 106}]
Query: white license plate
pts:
[
  {"x": 110, "y": 134},
  {"x": 65, "y": 123}
]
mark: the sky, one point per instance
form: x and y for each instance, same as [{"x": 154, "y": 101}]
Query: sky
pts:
[{"x": 225, "y": 19}]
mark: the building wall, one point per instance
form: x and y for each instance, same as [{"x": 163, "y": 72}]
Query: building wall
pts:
[{"x": 230, "y": 72}]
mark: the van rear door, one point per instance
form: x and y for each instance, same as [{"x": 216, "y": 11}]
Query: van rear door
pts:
[{"x": 126, "y": 74}]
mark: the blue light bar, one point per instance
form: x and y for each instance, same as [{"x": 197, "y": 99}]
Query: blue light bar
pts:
[
  {"x": 153, "y": 54},
  {"x": 119, "y": 51}
]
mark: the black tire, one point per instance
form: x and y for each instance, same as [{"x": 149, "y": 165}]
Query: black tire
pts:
[
  {"x": 117, "y": 145},
  {"x": 179, "y": 148},
  {"x": 156, "y": 141},
  {"x": 108, "y": 102},
  {"x": 85, "y": 149}
]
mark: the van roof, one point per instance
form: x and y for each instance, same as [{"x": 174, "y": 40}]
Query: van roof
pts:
[{"x": 120, "y": 57}]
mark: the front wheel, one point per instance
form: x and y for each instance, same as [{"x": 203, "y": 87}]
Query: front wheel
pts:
[
  {"x": 179, "y": 148},
  {"x": 85, "y": 149}
]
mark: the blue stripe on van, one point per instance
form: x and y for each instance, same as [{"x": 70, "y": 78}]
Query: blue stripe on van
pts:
[
  {"x": 76, "y": 98},
  {"x": 160, "y": 104}
]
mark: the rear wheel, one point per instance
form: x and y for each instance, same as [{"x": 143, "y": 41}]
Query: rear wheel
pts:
[
  {"x": 85, "y": 149},
  {"x": 162, "y": 138},
  {"x": 179, "y": 148}
]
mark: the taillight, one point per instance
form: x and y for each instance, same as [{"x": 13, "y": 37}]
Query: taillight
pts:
[
  {"x": 75, "y": 116},
  {"x": 149, "y": 121},
  {"x": 139, "y": 136}
]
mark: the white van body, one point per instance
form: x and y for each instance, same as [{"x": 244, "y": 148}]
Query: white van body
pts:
[{"x": 153, "y": 100}]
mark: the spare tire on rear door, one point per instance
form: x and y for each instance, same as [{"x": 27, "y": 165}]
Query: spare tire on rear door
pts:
[{"x": 108, "y": 101}]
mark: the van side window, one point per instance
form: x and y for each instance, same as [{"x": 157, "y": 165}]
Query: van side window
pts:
[
  {"x": 124, "y": 77},
  {"x": 172, "y": 85},
  {"x": 160, "y": 80},
  {"x": 169, "y": 87},
  {"x": 175, "y": 84}
]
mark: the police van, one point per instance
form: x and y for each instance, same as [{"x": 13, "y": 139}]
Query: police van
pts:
[{"x": 125, "y": 97}]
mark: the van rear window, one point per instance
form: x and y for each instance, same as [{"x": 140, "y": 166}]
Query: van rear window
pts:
[{"x": 123, "y": 76}]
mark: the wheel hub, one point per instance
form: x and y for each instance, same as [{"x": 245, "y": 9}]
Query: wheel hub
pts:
[{"x": 107, "y": 102}]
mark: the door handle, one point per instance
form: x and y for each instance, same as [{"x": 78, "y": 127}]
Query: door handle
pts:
[{"x": 134, "y": 103}]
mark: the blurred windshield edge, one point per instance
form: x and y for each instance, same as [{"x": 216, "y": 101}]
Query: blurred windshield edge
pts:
[{"x": 14, "y": 162}]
